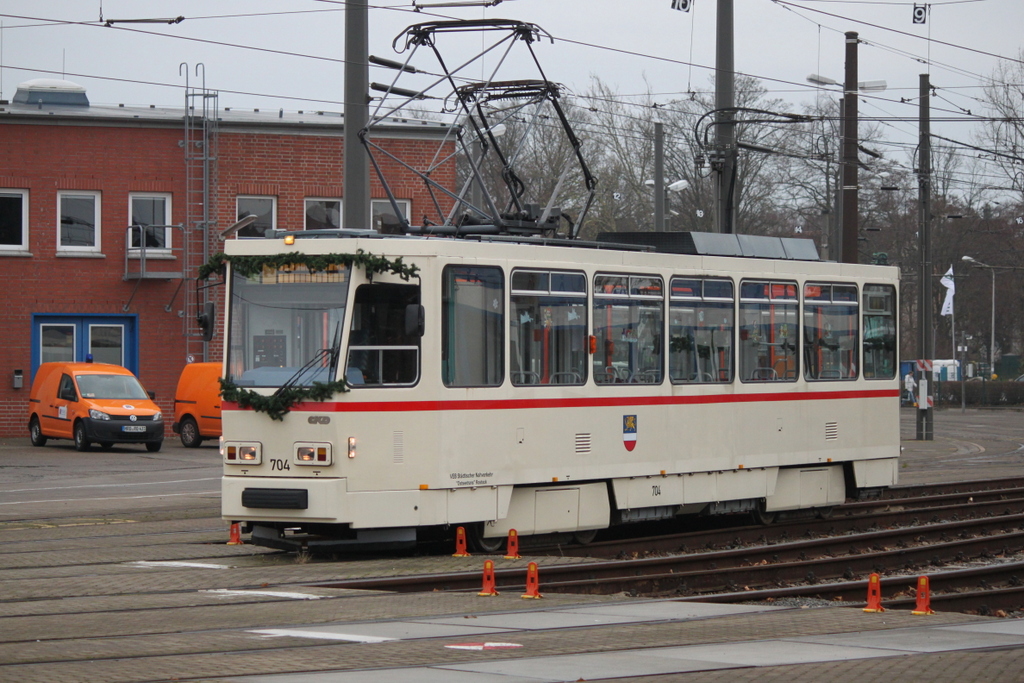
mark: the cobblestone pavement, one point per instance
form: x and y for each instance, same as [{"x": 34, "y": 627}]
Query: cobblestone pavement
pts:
[{"x": 158, "y": 596}]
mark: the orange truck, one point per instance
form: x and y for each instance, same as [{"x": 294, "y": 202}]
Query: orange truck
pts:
[{"x": 197, "y": 404}]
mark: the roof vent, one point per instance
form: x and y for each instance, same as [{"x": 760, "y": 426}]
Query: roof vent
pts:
[{"x": 51, "y": 91}]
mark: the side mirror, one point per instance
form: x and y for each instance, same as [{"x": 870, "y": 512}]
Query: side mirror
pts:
[
  {"x": 207, "y": 320},
  {"x": 414, "y": 320},
  {"x": 152, "y": 395}
]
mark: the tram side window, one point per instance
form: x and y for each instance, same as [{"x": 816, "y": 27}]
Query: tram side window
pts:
[
  {"x": 831, "y": 335},
  {"x": 879, "y": 332},
  {"x": 701, "y": 322},
  {"x": 628, "y": 324},
  {"x": 768, "y": 331},
  {"x": 381, "y": 351},
  {"x": 548, "y": 327},
  {"x": 472, "y": 326}
]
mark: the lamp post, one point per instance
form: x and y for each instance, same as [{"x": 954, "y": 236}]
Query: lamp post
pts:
[
  {"x": 992, "y": 346},
  {"x": 847, "y": 251}
]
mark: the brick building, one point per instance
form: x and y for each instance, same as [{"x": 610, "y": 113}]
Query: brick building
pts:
[{"x": 79, "y": 280}]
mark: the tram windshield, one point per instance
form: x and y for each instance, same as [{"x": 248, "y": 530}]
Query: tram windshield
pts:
[{"x": 286, "y": 326}]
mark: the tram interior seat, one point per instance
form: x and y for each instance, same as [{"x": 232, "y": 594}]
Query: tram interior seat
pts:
[
  {"x": 764, "y": 375},
  {"x": 645, "y": 377},
  {"x": 565, "y": 378},
  {"x": 521, "y": 377},
  {"x": 829, "y": 374}
]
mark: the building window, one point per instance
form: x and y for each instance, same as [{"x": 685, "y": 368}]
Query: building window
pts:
[
  {"x": 264, "y": 208},
  {"x": 384, "y": 219},
  {"x": 323, "y": 214},
  {"x": 56, "y": 343},
  {"x": 13, "y": 220},
  {"x": 106, "y": 343},
  {"x": 79, "y": 228},
  {"x": 150, "y": 210}
]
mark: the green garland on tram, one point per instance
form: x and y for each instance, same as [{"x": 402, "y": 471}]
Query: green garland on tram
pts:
[{"x": 278, "y": 404}]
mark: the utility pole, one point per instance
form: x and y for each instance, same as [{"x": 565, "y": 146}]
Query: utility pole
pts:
[
  {"x": 925, "y": 347},
  {"x": 725, "y": 132},
  {"x": 659, "y": 177},
  {"x": 356, "y": 199},
  {"x": 849, "y": 173}
]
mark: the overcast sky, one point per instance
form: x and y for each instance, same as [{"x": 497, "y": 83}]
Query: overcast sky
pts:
[{"x": 299, "y": 47}]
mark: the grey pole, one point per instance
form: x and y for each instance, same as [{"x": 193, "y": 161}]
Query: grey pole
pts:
[
  {"x": 924, "y": 302},
  {"x": 992, "y": 342},
  {"x": 659, "y": 177},
  {"x": 850, "y": 205},
  {"x": 725, "y": 133},
  {"x": 356, "y": 200}
]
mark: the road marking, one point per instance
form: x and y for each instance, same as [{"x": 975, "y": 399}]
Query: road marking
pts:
[
  {"x": 325, "y": 635},
  {"x": 101, "y": 486},
  {"x": 78, "y": 500},
  {"x": 274, "y": 594},
  {"x": 484, "y": 646},
  {"x": 194, "y": 565}
]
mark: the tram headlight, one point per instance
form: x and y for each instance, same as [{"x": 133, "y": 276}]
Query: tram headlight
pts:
[
  {"x": 351, "y": 446},
  {"x": 312, "y": 453},
  {"x": 236, "y": 453}
]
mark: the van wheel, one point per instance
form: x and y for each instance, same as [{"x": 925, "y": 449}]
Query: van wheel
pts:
[
  {"x": 189, "y": 432},
  {"x": 154, "y": 446},
  {"x": 81, "y": 442},
  {"x": 35, "y": 432}
]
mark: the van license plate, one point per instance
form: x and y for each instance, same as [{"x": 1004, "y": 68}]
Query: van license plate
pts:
[{"x": 133, "y": 428}]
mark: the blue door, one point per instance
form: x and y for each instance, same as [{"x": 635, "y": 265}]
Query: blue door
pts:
[{"x": 73, "y": 338}]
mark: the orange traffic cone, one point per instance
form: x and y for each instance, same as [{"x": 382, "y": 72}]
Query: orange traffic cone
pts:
[
  {"x": 924, "y": 597},
  {"x": 488, "y": 587},
  {"x": 532, "y": 582},
  {"x": 460, "y": 543},
  {"x": 512, "y": 553},
  {"x": 235, "y": 537},
  {"x": 874, "y": 594}
]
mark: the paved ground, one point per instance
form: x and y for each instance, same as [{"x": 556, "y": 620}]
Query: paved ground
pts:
[{"x": 141, "y": 587}]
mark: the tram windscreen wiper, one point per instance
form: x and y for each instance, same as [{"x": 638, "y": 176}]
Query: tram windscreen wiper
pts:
[{"x": 333, "y": 353}]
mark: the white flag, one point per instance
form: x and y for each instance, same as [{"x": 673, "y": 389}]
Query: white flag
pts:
[{"x": 950, "y": 285}]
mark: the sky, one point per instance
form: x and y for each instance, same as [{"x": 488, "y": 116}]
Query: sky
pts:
[{"x": 288, "y": 53}]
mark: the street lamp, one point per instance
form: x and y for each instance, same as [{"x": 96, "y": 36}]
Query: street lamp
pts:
[
  {"x": 677, "y": 186},
  {"x": 992, "y": 348}
]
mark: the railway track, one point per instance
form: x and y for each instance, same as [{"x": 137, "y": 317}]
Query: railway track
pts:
[{"x": 925, "y": 530}]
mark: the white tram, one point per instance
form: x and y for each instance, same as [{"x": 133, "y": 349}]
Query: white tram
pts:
[{"x": 544, "y": 386}]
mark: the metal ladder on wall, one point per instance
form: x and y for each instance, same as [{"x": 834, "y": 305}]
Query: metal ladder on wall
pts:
[{"x": 201, "y": 153}]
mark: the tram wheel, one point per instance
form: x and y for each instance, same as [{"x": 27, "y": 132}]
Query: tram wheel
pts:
[
  {"x": 585, "y": 537},
  {"x": 761, "y": 516},
  {"x": 478, "y": 543}
]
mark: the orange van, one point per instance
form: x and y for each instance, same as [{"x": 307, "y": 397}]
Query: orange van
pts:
[
  {"x": 92, "y": 403},
  {"x": 197, "y": 404}
]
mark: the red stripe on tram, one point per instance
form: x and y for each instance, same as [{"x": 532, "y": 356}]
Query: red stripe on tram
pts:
[{"x": 592, "y": 402}]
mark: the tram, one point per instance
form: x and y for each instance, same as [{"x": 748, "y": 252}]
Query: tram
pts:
[{"x": 379, "y": 387}]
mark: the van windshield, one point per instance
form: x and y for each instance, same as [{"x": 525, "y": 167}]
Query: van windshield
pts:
[{"x": 110, "y": 386}]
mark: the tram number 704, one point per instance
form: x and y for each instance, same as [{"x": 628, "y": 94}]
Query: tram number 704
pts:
[
  {"x": 279, "y": 464},
  {"x": 655, "y": 490}
]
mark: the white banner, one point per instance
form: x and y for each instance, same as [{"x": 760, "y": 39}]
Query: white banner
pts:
[{"x": 950, "y": 285}]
